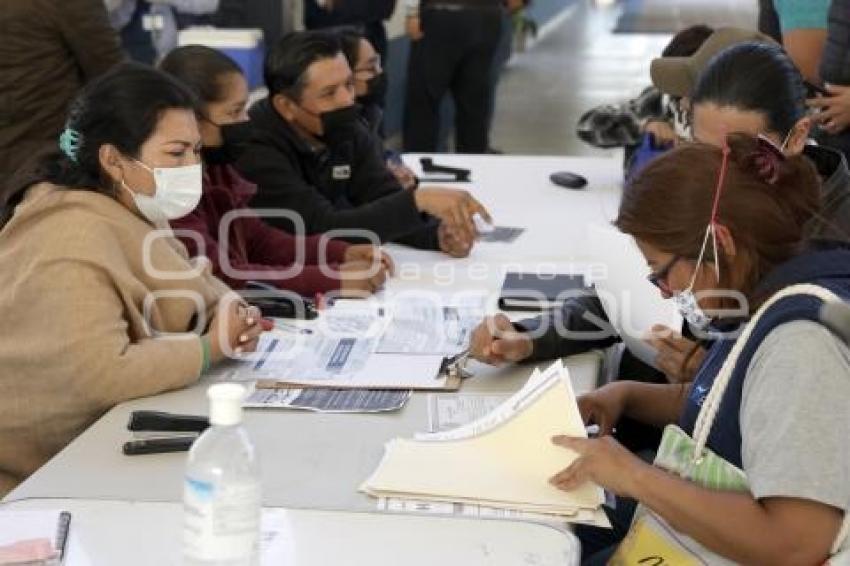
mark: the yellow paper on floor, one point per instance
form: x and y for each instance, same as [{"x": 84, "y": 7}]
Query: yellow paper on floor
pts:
[{"x": 503, "y": 460}]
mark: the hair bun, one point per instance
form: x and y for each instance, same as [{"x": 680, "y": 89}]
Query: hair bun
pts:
[
  {"x": 759, "y": 156},
  {"x": 767, "y": 160}
]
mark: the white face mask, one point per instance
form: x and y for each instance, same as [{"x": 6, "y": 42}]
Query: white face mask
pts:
[
  {"x": 178, "y": 192},
  {"x": 686, "y": 301}
]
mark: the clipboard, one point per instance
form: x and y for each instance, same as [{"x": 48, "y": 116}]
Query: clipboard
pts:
[{"x": 452, "y": 372}]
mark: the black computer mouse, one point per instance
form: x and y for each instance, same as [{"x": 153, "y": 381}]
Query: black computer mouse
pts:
[{"x": 568, "y": 180}]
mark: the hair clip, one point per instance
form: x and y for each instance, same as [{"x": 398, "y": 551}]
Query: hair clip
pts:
[
  {"x": 70, "y": 142},
  {"x": 767, "y": 160}
]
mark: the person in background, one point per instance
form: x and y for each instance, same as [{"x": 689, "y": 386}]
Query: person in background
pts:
[
  {"x": 751, "y": 88},
  {"x": 802, "y": 26},
  {"x": 48, "y": 52},
  {"x": 311, "y": 154},
  {"x": 99, "y": 304},
  {"x": 370, "y": 85},
  {"x": 453, "y": 49},
  {"x": 755, "y": 88},
  {"x": 149, "y": 28},
  {"x": 368, "y": 15},
  {"x": 832, "y": 107},
  {"x": 252, "y": 245},
  {"x": 763, "y": 492},
  {"x": 630, "y": 124}
]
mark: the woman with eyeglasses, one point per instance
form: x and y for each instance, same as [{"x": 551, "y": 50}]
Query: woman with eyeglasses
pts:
[
  {"x": 723, "y": 231},
  {"x": 370, "y": 90},
  {"x": 754, "y": 88}
]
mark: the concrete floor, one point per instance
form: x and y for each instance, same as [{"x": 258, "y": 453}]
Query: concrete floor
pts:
[{"x": 580, "y": 63}]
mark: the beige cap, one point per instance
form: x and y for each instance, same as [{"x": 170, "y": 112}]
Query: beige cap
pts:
[{"x": 677, "y": 76}]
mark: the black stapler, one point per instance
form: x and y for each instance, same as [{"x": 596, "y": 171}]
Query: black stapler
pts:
[
  {"x": 274, "y": 303},
  {"x": 458, "y": 175},
  {"x": 156, "y": 432}
]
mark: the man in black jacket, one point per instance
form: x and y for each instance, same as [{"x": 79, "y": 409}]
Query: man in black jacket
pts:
[{"x": 312, "y": 155}]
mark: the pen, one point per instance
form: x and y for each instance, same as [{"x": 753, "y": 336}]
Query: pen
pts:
[{"x": 292, "y": 327}]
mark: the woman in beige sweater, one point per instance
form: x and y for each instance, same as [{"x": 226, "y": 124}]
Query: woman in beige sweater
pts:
[{"x": 98, "y": 306}]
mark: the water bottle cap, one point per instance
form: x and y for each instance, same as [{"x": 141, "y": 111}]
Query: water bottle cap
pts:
[{"x": 226, "y": 403}]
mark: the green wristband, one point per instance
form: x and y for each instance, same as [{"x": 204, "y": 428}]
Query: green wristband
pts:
[{"x": 206, "y": 356}]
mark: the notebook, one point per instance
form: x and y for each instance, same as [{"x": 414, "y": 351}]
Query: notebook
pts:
[
  {"x": 37, "y": 536},
  {"x": 534, "y": 291}
]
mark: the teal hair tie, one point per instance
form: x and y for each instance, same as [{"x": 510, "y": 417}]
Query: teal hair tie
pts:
[{"x": 69, "y": 143}]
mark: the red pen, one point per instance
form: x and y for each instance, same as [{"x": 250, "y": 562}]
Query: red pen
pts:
[{"x": 320, "y": 301}]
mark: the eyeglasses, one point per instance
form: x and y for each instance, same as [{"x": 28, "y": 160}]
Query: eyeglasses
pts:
[{"x": 659, "y": 278}]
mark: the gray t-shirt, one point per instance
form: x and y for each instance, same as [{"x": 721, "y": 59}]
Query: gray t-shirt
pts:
[{"x": 795, "y": 416}]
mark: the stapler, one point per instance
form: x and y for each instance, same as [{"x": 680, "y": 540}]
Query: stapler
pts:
[
  {"x": 458, "y": 175},
  {"x": 274, "y": 303},
  {"x": 156, "y": 432}
]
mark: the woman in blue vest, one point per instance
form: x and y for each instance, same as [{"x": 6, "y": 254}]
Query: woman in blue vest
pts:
[{"x": 723, "y": 230}]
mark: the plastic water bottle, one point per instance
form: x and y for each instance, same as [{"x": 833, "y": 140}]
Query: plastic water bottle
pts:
[{"x": 221, "y": 493}]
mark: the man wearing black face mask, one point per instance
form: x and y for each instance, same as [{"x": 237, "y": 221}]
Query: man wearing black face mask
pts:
[
  {"x": 254, "y": 250},
  {"x": 312, "y": 155}
]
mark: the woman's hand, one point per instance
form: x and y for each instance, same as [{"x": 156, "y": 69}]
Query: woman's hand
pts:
[
  {"x": 602, "y": 461},
  {"x": 403, "y": 174},
  {"x": 662, "y": 131},
  {"x": 361, "y": 278},
  {"x": 495, "y": 341},
  {"x": 235, "y": 328},
  {"x": 678, "y": 357},
  {"x": 371, "y": 254},
  {"x": 604, "y": 407}
]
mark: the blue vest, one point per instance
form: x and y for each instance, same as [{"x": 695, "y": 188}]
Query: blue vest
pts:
[{"x": 829, "y": 269}]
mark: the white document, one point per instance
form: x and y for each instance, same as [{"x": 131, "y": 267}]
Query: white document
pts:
[
  {"x": 596, "y": 518},
  {"x": 314, "y": 357},
  {"x": 632, "y": 303},
  {"x": 338, "y": 362},
  {"x": 446, "y": 412},
  {"x": 323, "y": 400},
  {"x": 428, "y": 325},
  {"x": 501, "y": 413},
  {"x": 503, "y": 460},
  {"x": 26, "y": 525},
  {"x": 33, "y": 536}
]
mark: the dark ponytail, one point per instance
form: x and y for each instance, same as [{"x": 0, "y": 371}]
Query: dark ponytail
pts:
[
  {"x": 201, "y": 69},
  {"x": 757, "y": 77},
  {"x": 121, "y": 108}
]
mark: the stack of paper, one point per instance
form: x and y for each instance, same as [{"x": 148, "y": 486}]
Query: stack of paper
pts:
[{"x": 503, "y": 460}]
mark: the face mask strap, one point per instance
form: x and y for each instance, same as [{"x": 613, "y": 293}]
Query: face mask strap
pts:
[
  {"x": 710, "y": 231},
  {"x": 785, "y": 141}
]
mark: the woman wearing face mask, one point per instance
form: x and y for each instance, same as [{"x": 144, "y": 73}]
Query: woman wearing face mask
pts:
[
  {"x": 100, "y": 307},
  {"x": 370, "y": 88},
  {"x": 253, "y": 246},
  {"x": 754, "y": 88},
  {"x": 716, "y": 226}
]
